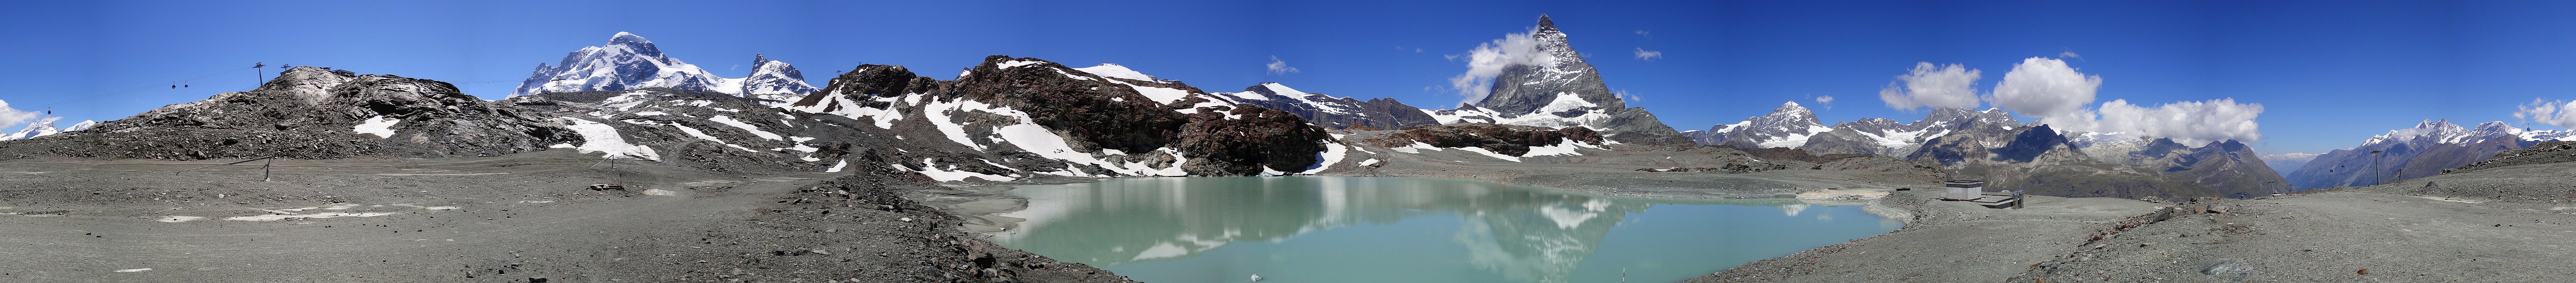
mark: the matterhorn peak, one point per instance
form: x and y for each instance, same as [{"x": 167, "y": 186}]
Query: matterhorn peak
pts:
[{"x": 1545, "y": 25}]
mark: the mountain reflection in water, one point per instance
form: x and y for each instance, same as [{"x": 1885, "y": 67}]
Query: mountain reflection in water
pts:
[{"x": 1323, "y": 229}]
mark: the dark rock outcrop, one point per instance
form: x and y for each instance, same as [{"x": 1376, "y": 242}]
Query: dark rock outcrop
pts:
[
  {"x": 1094, "y": 114},
  {"x": 1513, "y": 140},
  {"x": 870, "y": 81}
]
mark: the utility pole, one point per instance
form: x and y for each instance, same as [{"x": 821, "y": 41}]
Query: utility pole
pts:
[
  {"x": 2375, "y": 156},
  {"x": 257, "y": 73}
]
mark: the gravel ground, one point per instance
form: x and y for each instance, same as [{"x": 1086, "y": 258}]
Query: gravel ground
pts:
[
  {"x": 514, "y": 218},
  {"x": 2507, "y": 224},
  {"x": 1945, "y": 242}
]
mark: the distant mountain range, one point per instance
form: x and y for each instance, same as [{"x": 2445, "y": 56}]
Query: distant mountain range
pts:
[
  {"x": 1991, "y": 145},
  {"x": 44, "y": 127},
  {"x": 2424, "y": 150},
  {"x": 628, "y": 61}
]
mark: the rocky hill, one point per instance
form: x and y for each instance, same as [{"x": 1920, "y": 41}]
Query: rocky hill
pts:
[
  {"x": 1094, "y": 125},
  {"x": 310, "y": 112}
]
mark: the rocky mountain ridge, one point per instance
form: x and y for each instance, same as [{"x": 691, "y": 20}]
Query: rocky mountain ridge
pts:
[{"x": 1331, "y": 111}]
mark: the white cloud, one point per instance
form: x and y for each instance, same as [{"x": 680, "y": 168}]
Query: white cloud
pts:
[
  {"x": 2045, "y": 88},
  {"x": 2070, "y": 54},
  {"x": 2191, "y": 123},
  {"x": 1489, "y": 59},
  {"x": 1279, "y": 67},
  {"x": 1643, "y": 33},
  {"x": 2555, "y": 113},
  {"x": 12, "y": 116},
  {"x": 1829, "y": 99},
  {"x": 2055, "y": 93},
  {"x": 1929, "y": 85},
  {"x": 1642, "y": 54}
]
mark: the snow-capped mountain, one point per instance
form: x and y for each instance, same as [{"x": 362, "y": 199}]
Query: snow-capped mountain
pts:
[
  {"x": 774, "y": 80},
  {"x": 1565, "y": 92},
  {"x": 1120, "y": 71},
  {"x": 1787, "y": 126},
  {"x": 628, "y": 61},
  {"x": 2420, "y": 151},
  {"x": 1882, "y": 137},
  {"x": 1330, "y": 111},
  {"x": 1794, "y": 126},
  {"x": 38, "y": 128}
]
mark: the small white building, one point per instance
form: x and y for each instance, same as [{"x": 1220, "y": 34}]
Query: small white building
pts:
[{"x": 1964, "y": 189}]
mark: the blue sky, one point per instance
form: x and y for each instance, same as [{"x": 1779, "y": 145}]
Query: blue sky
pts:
[{"x": 2328, "y": 74}]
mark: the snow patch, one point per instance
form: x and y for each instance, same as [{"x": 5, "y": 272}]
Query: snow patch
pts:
[
  {"x": 381, "y": 126},
  {"x": 1334, "y": 152},
  {"x": 947, "y": 175},
  {"x": 747, "y": 127},
  {"x": 597, "y": 137},
  {"x": 1015, "y": 63}
]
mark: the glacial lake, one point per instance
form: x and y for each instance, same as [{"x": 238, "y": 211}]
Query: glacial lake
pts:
[{"x": 1380, "y": 229}]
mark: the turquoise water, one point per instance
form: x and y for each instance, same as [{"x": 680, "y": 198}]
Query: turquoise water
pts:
[{"x": 1371, "y": 229}]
